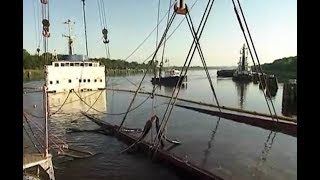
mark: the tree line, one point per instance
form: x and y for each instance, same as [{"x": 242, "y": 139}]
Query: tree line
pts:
[
  {"x": 284, "y": 68},
  {"x": 38, "y": 61}
]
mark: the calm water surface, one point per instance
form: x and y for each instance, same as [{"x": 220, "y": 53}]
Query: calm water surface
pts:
[{"x": 229, "y": 149}]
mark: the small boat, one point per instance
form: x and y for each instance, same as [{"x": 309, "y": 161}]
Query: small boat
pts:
[
  {"x": 171, "y": 78},
  {"x": 226, "y": 73}
]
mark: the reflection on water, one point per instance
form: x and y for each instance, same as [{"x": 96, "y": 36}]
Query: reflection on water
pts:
[
  {"x": 169, "y": 89},
  {"x": 264, "y": 154},
  {"x": 242, "y": 91},
  {"x": 208, "y": 150},
  {"x": 226, "y": 148},
  {"x": 74, "y": 102}
]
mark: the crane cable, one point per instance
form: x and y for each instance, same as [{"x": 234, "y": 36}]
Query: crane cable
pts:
[
  {"x": 205, "y": 18},
  {"x": 171, "y": 32},
  {"x": 265, "y": 80},
  {"x": 38, "y": 35},
  {"x": 103, "y": 25},
  {"x": 191, "y": 26},
  {"x": 268, "y": 91},
  {"x": 149, "y": 64},
  {"x": 45, "y": 29},
  {"x": 155, "y": 28},
  {"x": 161, "y": 127},
  {"x": 114, "y": 113}
]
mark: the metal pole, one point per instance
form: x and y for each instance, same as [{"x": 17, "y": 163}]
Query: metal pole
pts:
[
  {"x": 45, "y": 106},
  {"x": 85, "y": 26}
]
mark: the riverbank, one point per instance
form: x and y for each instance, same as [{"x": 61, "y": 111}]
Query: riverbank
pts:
[{"x": 284, "y": 69}]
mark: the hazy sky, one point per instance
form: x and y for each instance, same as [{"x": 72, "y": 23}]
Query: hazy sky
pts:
[{"x": 273, "y": 26}]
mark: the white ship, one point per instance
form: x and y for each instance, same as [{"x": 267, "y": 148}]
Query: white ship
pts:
[{"x": 74, "y": 72}]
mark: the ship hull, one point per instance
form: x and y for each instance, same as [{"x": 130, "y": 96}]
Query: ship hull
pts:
[{"x": 169, "y": 81}]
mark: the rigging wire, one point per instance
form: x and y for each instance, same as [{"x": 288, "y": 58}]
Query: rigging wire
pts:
[
  {"x": 31, "y": 139},
  {"x": 37, "y": 125},
  {"x": 155, "y": 28},
  {"x": 161, "y": 63},
  {"x": 149, "y": 64},
  {"x": 160, "y": 133},
  {"x": 61, "y": 105},
  {"x": 40, "y": 127},
  {"x": 155, "y": 62},
  {"x": 104, "y": 14},
  {"x": 207, "y": 151},
  {"x": 256, "y": 54},
  {"x": 106, "y": 46},
  {"x": 32, "y": 132},
  {"x": 64, "y": 103},
  {"x": 115, "y": 113},
  {"x": 34, "y": 115},
  {"x": 103, "y": 26},
  {"x": 77, "y": 99},
  {"x": 100, "y": 15},
  {"x": 158, "y": 25},
  {"x": 266, "y": 149},
  {"x": 36, "y": 23},
  {"x": 95, "y": 101},
  {"x": 161, "y": 127},
  {"x": 191, "y": 26},
  {"x": 35, "y": 137},
  {"x": 172, "y": 32},
  {"x": 165, "y": 40},
  {"x": 85, "y": 26},
  {"x": 241, "y": 26}
]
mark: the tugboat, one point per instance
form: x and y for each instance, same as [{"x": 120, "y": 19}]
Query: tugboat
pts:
[
  {"x": 73, "y": 72},
  {"x": 242, "y": 73}
]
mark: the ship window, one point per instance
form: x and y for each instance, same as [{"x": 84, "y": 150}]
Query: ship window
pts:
[
  {"x": 79, "y": 80},
  {"x": 56, "y": 64},
  {"x": 84, "y": 80},
  {"x": 50, "y": 82},
  {"x": 76, "y": 64},
  {"x": 88, "y": 80},
  {"x": 57, "y": 81},
  {"x": 100, "y": 80},
  {"x": 67, "y": 64},
  {"x": 81, "y": 64},
  {"x": 95, "y": 80},
  {"x": 69, "y": 80},
  {"x": 62, "y": 64},
  {"x": 71, "y": 64},
  {"x": 90, "y": 64},
  {"x": 85, "y": 64}
]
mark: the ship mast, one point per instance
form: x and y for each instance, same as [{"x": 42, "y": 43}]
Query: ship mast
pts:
[
  {"x": 243, "y": 59},
  {"x": 70, "y": 41}
]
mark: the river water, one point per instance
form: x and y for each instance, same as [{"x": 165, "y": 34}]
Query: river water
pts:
[{"x": 229, "y": 149}]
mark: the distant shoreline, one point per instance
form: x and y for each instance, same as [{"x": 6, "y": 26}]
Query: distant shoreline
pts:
[{"x": 38, "y": 74}]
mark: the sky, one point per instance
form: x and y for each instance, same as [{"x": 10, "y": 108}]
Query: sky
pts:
[{"x": 272, "y": 24}]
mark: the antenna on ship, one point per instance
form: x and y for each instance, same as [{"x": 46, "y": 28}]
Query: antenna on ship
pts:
[{"x": 70, "y": 41}]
